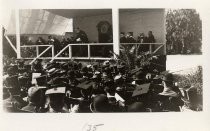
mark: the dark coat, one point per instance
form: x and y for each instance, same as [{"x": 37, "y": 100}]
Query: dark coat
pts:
[{"x": 83, "y": 36}]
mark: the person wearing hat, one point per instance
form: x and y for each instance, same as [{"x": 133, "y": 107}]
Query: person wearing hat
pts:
[
  {"x": 136, "y": 107},
  {"x": 170, "y": 98},
  {"x": 55, "y": 97},
  {"x": 36, "y": 98},
  {"x": 121, "y": 69},
  {"x": 106, "y": 73},
  {"x": 57, "y": 82},
  {"x": 140, "y": 77},
  {"x": 24, "y": 83},
  {"x": 15, "y": 102},
  {"x": 21, "y": 66},
  {"x": 142, "y": 39},
  {"x": 37, "y": 66},
  {"x": 129, "y": 38},
  {"x": 12, "y": 70},
  {"x": 71, "y": 75},
  {"x": 100, "y": 103},
  {"x": 85, "y": 73},
  {"x": 119, "y": 82},
  {"x": 109, "y": 86},
  {"x": 192, "y": 101},
  {"x": 41, "y": 81},
  {"x": 122, "y": 37},
  {"x": 95, "y": 67},
  {"x": 97, "y": 87},
  {"x": 114, "y": 99}
]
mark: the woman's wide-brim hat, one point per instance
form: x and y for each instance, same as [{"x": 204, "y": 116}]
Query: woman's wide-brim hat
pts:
[{"x": 168, "y": 92}]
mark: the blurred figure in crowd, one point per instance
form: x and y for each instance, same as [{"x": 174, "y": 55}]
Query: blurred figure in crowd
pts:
[{"x": 40, "y": 41}]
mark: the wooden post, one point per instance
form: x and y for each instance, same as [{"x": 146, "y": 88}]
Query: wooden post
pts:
[
  {"x": 70, "y": 54},
  {"x": 115, "y": 23},
  {"x": 164, "y": 31},
  {"x": 88, "y": 51},
  {"x": 17, "y": 21}
]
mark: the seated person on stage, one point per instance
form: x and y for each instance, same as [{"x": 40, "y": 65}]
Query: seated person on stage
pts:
[
  {"x": 40, "y": 41},
  {"x": 122, "y": 38},
  {"x": 143, "y": 39},
  {"x": 50, "y": 40},
  {"x": 81, "y": 36},
  {"x": 129, "y": 38}
]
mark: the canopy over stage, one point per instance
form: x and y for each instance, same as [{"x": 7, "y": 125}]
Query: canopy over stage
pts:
[{"x": 44, "y": 22}]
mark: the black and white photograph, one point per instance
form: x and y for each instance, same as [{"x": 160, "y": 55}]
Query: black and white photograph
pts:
[
  {"x": 104, "y": 64},
  {"x": 64, "y": 60}
]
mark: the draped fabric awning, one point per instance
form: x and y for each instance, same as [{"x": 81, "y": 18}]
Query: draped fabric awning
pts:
[
  {"x": 38, "y": 21},
  {"x": 48, "y": 21}
]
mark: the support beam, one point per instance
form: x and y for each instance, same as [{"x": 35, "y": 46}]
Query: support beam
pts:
[
  {"x": 164, "y": 31},
  {"x": 10, "y": 43},
  {"x": 158, "y": 48},
  {"x": 115, "y": 22},
  {"x": 59, "y": 53},
  {"x": 17, "y": 21},
  {"x": 40, "y": 54}
]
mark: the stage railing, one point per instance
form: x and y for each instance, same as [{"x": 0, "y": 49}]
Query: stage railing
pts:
[
  {"x": 67, "y": 52},
  {"x": 150, "y": 46},
  {"x": 37, "y": 51}
]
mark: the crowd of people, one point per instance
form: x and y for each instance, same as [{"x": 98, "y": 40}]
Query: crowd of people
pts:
[
  {"x": 79, "y": 37},
  {"x": 72, "y": 87},
  {"x": 59, "y": 42},
  {"x": 128, "y": 38}
]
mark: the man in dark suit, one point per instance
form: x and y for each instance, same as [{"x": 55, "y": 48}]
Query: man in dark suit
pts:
[
  {"x": 151, "y": 39},
  {"x": 81, "y": 36},
  {"x": 122, "y": 37},
  {"x": 129, "y": 38},
  {"x": 14, "y": 103}
]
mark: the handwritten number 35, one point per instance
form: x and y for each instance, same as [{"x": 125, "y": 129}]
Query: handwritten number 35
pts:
[{"x": 91, "y": 128}]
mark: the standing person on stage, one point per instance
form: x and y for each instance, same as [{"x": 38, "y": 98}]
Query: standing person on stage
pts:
[
  {"x": 151, "y": 39},
  {"x": 81, "y": 36}
]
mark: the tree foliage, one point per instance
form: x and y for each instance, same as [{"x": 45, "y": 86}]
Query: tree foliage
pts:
[{"x": 184, "y": 30}]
